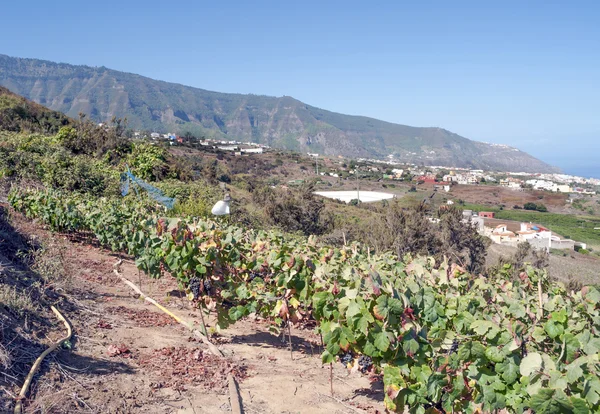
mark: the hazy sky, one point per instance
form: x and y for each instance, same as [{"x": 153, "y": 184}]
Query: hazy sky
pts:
[{"x": 521, "y": 73}]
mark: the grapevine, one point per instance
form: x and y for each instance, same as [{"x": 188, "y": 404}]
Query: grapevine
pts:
[{"x": 442, "y": 338}]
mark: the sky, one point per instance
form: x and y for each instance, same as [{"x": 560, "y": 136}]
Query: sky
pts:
[{"x": 525, "y": 74}]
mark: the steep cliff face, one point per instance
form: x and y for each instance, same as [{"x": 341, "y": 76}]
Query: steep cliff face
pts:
[{"x": 281, "y": 122}]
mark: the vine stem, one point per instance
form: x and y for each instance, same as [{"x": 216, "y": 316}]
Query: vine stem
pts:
[
  {"x": 541, "y": 300},
  {"x": 331, "y": 378},
  {"x": 290, "y": 339},
  {"x": 202, "y": 320}
]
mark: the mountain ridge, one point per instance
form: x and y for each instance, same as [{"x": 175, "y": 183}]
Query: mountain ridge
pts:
[{"x": 283, "y": 122}]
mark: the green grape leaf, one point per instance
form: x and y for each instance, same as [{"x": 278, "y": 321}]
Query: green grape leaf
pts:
[
  {"x": 572, "y": 346},
  {"x": 539, "y": 334},
  {"x": 580, "y": 406},
  {"x": 530, "y": 364},
  {"x": 560, "y": 316},
  {"x": 237, "y": 312},
  {"x": 494, "y": 354},
  {"x": 381, "y": 341},
  {"x": 509, "y": 370},
  {"x": 591, "y": 390},
  {"x": 574, "y": 373},
  {"x": 470, "y": 351},
  {"x": 481, "y": 327},
  {"x": 550, "y": 401},
  {"x": 553, "y": 329},
  {"x": 592, "y": 346}
]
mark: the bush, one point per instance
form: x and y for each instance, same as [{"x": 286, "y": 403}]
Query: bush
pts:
[
  {"x": 354, "y": 202},
  {"x": 530, "y": 206},
  {"x": 541, "y": 208},
  {"x": 295, "y": 212}
]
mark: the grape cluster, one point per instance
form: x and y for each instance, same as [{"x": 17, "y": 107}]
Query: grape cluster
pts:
[
  {"x": 524, "y": 348},
  {"x": 207, "y": 286},
  {"x": 194, "y": 286},
  {"x": 454, "y": 347},
  {"x": 346, "y": 358},
  {"x": 364, "y": 363},
  {"x": 253, "y": 275}
]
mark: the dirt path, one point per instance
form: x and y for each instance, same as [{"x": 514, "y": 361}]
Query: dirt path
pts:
[{"x": 127, "y": 357}]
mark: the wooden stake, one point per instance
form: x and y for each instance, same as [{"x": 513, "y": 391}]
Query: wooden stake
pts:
[{"x": 235, "y": 399}]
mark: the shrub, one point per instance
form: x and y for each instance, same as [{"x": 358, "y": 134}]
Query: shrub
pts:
[{"x": 295, "y": 212}]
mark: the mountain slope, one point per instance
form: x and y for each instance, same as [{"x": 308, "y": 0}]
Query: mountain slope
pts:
[
  {"x": 280, "y": 122},
  {"x": 19, "y": 114}
]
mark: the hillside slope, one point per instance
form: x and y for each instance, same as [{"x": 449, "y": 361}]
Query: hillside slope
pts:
[
  {"x": 280, "y": 122},
  {"x": 19, "y": 114}
]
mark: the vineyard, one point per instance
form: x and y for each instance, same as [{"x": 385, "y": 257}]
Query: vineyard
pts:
[{"x": 444, "y": 340}]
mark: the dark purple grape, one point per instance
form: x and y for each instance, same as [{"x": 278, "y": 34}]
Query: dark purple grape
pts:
[
  {"x": 346, "y": 358},
  {"x": 194, "y": 286},
  {"x": 454, "y": 347},
  {"x": 364, "y": 363},
  {"x": 207, "y": 286},
  {"x": 524, "y": 348}
]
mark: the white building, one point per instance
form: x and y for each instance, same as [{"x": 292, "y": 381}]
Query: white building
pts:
[{"x": 252, "y": 150}]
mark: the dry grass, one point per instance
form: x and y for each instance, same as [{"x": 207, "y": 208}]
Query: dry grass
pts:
[
  {"x": 571, "y": 269},
  {"x": 5, "y": 360},
  {"x": 18, "y": 301},
  {"x": 48, "y": 262}
]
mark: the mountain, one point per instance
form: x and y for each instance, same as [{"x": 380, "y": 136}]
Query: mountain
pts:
[{"x": 282, "y": 122}]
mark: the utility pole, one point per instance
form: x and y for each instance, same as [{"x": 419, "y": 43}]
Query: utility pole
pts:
[
  {"x": 357, "y": 187},
  {"x": 317, "y": 163}
]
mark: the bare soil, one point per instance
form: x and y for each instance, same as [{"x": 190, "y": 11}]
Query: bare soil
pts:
[
  {"x": 128, "y": 357},
  {"x": 495, "y": 196}
]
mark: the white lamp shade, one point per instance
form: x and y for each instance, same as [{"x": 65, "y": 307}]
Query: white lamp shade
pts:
[{"x": 221, "y": 208}]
